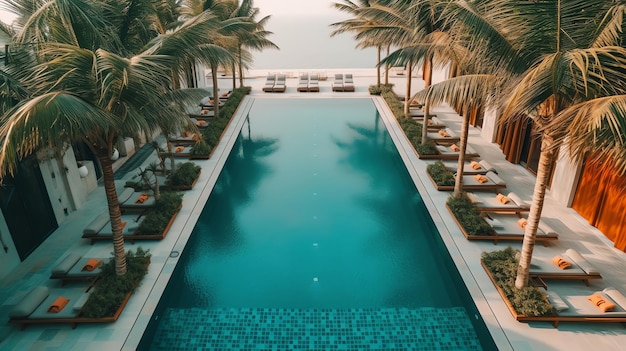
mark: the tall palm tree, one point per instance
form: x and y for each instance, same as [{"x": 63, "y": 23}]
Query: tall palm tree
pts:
[
  {"x": 555, "y": 64},
  {"x": 255, "y": 39},
  {"x": 84, "y": 89}
]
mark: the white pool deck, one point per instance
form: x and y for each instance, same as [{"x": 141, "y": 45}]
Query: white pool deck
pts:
[{"x": 507, "y": 333}]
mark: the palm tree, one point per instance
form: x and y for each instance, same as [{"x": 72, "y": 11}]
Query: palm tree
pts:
[
  {"x": 554, "y": 64},
  {"x": 250, "y": 39},
  {"x": 82, "y": 89}
]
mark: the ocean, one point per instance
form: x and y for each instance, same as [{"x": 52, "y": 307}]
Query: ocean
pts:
[{"x": 305, "y": 43}]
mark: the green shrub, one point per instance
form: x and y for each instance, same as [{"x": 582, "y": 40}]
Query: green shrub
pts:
[
  {"x": 184, "y": 175},
  {"x": 468, "y": 216},
  {"x": 200, "y": 148},
  {"x": 528, "y": 301},
  {"x": 440, "y": 174},
  {"x": 110, "y": 290},
  {"x": 157, "y": 219},
  {"x": 375, "y": 90},
  {"x": 212, "y": 133}
]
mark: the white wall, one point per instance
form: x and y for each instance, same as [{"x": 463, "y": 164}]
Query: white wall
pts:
[
  {"x": 488, "y": 129},
  {"x": 565, "y": 178}
]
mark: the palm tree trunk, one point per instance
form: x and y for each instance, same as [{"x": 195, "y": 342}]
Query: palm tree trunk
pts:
[
  {"x": 458, "y": 182},
  {"x": 387, "y": 67},
  {"x": 427, "y": 73},
  {"x": 546, "y": 160},
  {"x": 216, "y": 105},
  {"x": 114, "y": 212},
  {"x": 407, "y": 97},
  {"x": 234, "y": 75},
  {"x": 240, "y": 67},
  {"x": 378, "y": 48}
]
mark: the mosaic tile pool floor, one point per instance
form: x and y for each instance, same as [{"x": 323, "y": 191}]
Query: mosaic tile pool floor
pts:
[{"x": 431, "y": 329}]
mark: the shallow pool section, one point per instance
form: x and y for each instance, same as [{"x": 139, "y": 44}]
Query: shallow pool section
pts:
[{"x": 315, "y": 238}]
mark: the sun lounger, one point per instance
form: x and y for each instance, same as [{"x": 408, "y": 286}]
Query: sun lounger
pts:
[
  {"x": 35, "y": 307},
  {"x": 303, "y": 83},
  {"x": 184, "y": 139},
  {"x": 542, "y": 266},
  {"x": 181, "y": 151},
  {"x": 100, "y": 228},
  {"x": 443, "y": 136},
  {"x": 314, "y": 83},
  {"x": 447, "y": 152},
  {"x": 200, "y": 122},
  {"x": 492, "y": 182},
  {"x": 348, "y": 83},
  {"x": 74, "y": 266},
  {"x": 471, "y": 167},
  {"x": 131, "y": 199},
  {"x": 435, "y": 124},
  {"x": 506, "y": 227},
  {"x": 209, "y": 103},
  {"x": 337, "y": 84},
  {"x": 489, "y": 202},
  {"x": 223, "y": 97},
  {"x": 269, "y": 83},
  {"x": 280, "y": 86}
]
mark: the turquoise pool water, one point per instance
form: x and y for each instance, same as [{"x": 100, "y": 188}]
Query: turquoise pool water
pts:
[{"x": 315, "y": 238}]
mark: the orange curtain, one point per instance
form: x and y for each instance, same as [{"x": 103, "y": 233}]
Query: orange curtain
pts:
[
  {"x": 601, "y": 199},
  {"x": 511, "y": 138}
]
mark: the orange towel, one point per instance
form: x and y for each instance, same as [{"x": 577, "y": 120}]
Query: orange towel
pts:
[
  {"x": 142, "y": 198},
  {"x": 179, "y": 149},
  {"x": 561, "y": 262},
  {"x": 443, "y": 133},
  {"x": 481, "y": 178},
  {"x": 522, "y": 222},
  {"x": 91, "y": 264},
  {"x": 455, "y": 148},
  {"x": 201, "y": 123},
  {"x": 503, "y": 199},
  {"x": 123, "y": 225},
  {"x": 204, "y": 112},
  {"x": 58, "y": 304},
  {"x": 224, "y": 95},
  {"x": 475, "y": 165},
  {"x": 185, "y": 134},
  {"x": 602, "y": 304}
]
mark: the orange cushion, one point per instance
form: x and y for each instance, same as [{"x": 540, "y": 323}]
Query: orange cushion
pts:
[
  {"x": 91, "y": 264},
  {"x": 561, "y": 262},
  {"x": 123, "y": 225},
  {"x": 201, "y": 123},
  {"x": 179, "y": 149},
  {"x": 481, "y": 178},
  {"x": 455, "y": 148},
  {"x": 142, "y": 198},
  {"x": 503, "y": 199},
  {"x": 475, "y": 165},
  {"x": 522, "y": 222},
  {"x": 600, "y": 303},
  {"x": 58, "y": 304},
  {"x": 443, "y": 133}
]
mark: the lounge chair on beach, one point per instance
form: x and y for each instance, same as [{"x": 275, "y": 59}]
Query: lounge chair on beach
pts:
[
  {"x": 303, "y": 83},
  {"x": 314, "y": 83},
  {"x": 471, "y": 167},
  {"x": 443, "y": 136},
  {"x": 489, "y": 202},
  {"x": 337, "y": 84},
  {"x": 449, "y": 152},
  {"x": 547, "y": 265},
  {"x": 435, "y": 124},
  {"x": 131, "y": 199},
  {"x": 348, "y": 83},
  {"x": 280, "y": 86},
  {"x": 488, "y": 181},
  {"x": 75, "y": 266},
  {"x": 269, "y": 83}
]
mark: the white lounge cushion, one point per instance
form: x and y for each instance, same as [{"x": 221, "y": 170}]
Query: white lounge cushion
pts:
[
  {"x": 125, "y": 195},
  {"x": 616, "y": 296},
  {"x": 97, "y": 224},
  {"x": 66, "y": 264},
  {"x": 475, "y": 199},
  {"x": 581, "y": 262},
  {"x": 494, "y": 223},
  {"x": 556, "y": 301},
  {"x": 30, "y": 302},
  {"x": 486, "y": 165},
  {"x": 518, "y": 200},
  {"x": 494, "y": 178}
]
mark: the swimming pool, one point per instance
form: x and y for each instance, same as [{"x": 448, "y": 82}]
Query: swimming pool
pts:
[{"x": 315, "y": 238}]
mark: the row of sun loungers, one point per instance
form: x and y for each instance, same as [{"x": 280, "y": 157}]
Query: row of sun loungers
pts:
[
  {"x": 343, "y": 83},
  {"x": 275, "y": 83},
  {"x": 308, "y": 83}
]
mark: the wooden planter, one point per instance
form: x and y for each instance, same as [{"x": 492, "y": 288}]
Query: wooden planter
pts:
[
  {"x": 469, "y": 236},
  {"x": 553, "y": 318}
]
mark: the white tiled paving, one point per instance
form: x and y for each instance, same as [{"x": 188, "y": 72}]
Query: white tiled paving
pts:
[{"x": 508, "y": 334}]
